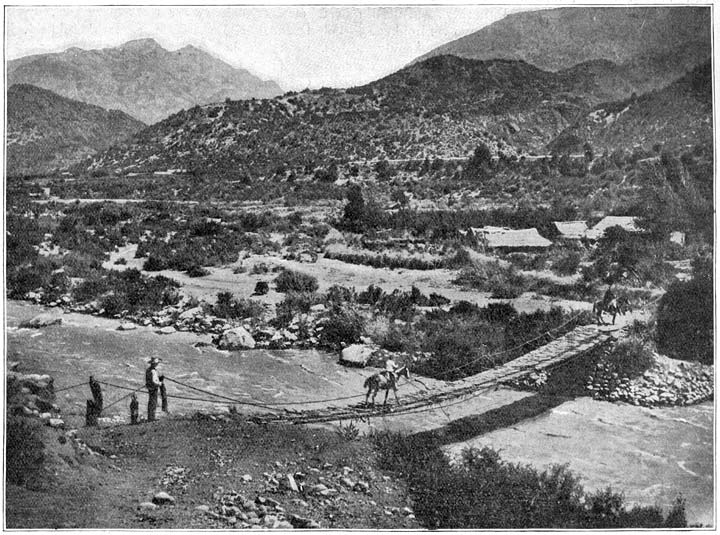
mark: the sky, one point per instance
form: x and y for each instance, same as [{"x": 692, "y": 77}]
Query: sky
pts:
[{"x": 297, "y": 46}]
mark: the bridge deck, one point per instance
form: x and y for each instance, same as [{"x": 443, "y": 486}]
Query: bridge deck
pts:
[{"x": 572, "y": 345}]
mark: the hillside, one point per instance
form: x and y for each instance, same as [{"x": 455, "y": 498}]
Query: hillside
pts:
[
  {"x": 678, "y": 116},
  {"x": 656, "y": 44},
  {"x": 46, "y": 131},
  {"x": 438, "y": 108},
  {"x": 140, "y": 78}
]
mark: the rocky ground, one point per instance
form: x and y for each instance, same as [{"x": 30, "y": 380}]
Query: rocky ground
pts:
[
  {"x": 668, "y": 382},
  {"x": 198, "y": 472}
]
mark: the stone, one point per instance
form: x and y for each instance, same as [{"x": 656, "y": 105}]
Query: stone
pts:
[
  {"x": 347, "y": 482},
  {"x": 167, "y": 330},
  {"x": 237, "y": 338},
  {"x": 300, "y": 522},
  {"x": 190, "y": 313},
  {"x": 147, "y": 506},
  {"x": 317, "y": 489},
  {"x": 318, "y": 308},
  {"x": 203, "y": 508},
  {"x": 41, "y": 320},
  {"x": 282, "y": 524},
  {"x": 362, "y": 486},
  {"x": 57, "y": 423},
  {"x": 269, "y": 520},
  {"x": 126, "y": 326},
  {"x": 163, "y": 498},
  {"x": 356, "y": 355},
  {"x": 45, "y": 416},
  {"x": 247, "y": 478},
  {"x": 292, "y": 485}
]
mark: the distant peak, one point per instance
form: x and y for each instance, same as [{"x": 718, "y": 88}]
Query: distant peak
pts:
[{"x": 142, "y": 44}]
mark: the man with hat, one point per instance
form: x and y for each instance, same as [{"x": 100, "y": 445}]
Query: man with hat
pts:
[{"x": 153, "y": 382}]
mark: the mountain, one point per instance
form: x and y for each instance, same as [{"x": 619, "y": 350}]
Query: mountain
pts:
[
  {"x": 140, "y": 78},
  {"x": 678, "y": 116},
  {"x": 46, "y": 131},
  {"x": 442, "y": 107},
  {"x": 655, "y": 44}
]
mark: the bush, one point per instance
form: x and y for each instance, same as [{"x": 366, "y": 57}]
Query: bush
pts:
[
  {"x": 343, "y": 326},
  {"x": 230, "y": 307},
  {"x": 481, "y": 491},
  {"x": 197, "y": 271},
  {"x": 685, "y": 320},
  {"x": 567, "y": 263},
  {"x": 294, "y": 281},
  {"x": 24, "y": 449}
]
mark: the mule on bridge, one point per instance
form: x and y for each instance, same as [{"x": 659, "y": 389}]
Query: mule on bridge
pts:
[
  {"x": 615, "y": 306},
  {"x": 384, "y": 381}
]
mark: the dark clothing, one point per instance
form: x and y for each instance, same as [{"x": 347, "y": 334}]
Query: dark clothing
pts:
[
  {"x": 153, "y": 384},
  {"x": 152, "y": 403}
]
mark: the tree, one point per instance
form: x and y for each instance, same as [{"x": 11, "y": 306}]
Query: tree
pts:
[
  {"x": 354, "y": 211},
  {"x": 478, "y": 167},
  {"x": 685, "y": 316}
]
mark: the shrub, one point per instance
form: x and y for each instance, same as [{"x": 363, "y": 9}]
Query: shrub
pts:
[
  {"x": 295, "y": 281},
  {"x": 293, "y": 304},
  {"x": 685, "y": 320},
  {"x": 197, "y": 271},
  {"x": 24, "y": 449},
  {"x": 481, "y": 491},
  {"x": 567, "y": 263},
  {"x": 343, "y": 326},
  {"x": 230, "y": 307}
]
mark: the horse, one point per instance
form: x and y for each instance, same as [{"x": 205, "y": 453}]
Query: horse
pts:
[
  {"x": 615, "y": 306},
  {"x": 383, "y": 381}
]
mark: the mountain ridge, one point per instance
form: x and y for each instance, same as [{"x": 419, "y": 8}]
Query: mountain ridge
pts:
[
  {"x": 46, "y": 131},
  {"x": 139, "y": 77},
  {"x": 656, "y": 44},
  {"x": 441, "y": 108}
]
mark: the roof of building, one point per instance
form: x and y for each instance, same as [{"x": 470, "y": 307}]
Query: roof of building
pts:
[
  {"x": 628, "y": 223},
  {"x": 571, "y": 229},
  {"x": 511, "y": 238}
]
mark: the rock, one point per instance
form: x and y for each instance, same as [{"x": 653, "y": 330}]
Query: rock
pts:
[
  {"x": 356, "y": 355},
  {"x": 362, "y": 486},
  {"x": 126, "y": 326},
  {"x": 291, "y": 484},
  {"x": 147, "y": 506},
  {"x": 347, "y": 482},
  {"x": 202, "y": 508},
  {"x": 269, "y": 520},
  {"x": 190, "y": 313},
  {"x": 269, "y": 502},
  {"x": 57, "y": 423},
  {"x": 318, "y": 308},
  {"x": 46, "y": 416},
  {"x": 167, "y": 330},
  {"x": 247, "y": 478},
  {"x": 318, "y": 489},
  {"x": 282, "y": 524},
  {"x": 163, "y": 498},
  {"x": 41, "y": 320},
  {"x": 237, "y": 338},
  {"x": 300, "y": 522}
]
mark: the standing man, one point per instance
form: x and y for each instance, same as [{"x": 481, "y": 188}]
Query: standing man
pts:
[
  {"x": 152, "y": 383},
  {"x": 390, "y": 369}
]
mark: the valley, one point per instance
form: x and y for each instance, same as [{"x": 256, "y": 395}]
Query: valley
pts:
[{"x": 277, "y": 250}]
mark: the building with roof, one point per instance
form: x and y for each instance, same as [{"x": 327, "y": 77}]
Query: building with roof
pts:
[
  {"x": 628, "y": 223},
  {"x": 571, "y": 230},
  {"x": 508, "y": 240}
]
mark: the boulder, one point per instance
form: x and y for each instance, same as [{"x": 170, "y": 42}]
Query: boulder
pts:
[
  {"x": 57, "y": 423},
  {"x": 147, "y": 506},
  {"x": 356, "y": 355},
  {"x": 237, "y": 338},
  {"x": 126, "y": 326},
  {"x": 41, "y": 320},
  {"x": 191, "y": 313},
  {"x": 300, "y": 522},
  {"x": 163, "y": 498},
  {"x": 169, "y": 329}
]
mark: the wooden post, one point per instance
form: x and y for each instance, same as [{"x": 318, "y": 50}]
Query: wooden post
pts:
[{"x": 94, "y": 407}]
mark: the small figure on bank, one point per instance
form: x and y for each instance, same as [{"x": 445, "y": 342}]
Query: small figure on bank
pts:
[
  {"x": 152, "y": 383},
  {"x": 134, "y": 410}
]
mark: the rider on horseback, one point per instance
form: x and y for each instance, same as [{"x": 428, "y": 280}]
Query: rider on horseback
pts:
[
  {"x": 389, "y": 372},
  {"x": 609, "y": 299}
]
